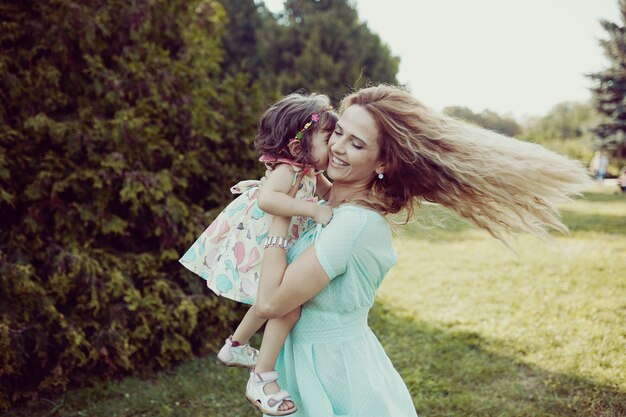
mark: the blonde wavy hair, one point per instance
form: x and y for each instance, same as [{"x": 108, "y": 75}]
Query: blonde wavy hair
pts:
[{"x": 499, "y": 183}]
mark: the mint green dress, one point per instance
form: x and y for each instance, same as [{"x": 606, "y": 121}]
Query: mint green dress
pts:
[{"x": 331, "y": 363}]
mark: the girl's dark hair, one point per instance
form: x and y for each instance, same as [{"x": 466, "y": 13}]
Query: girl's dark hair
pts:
[{"x": 287, "y": 117}]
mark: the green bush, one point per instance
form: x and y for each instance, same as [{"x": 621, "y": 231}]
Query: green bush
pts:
[{"x": 119, "y": 132}]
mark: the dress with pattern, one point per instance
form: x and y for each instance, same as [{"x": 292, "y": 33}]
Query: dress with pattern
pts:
[{"x": 228, "y": 253}]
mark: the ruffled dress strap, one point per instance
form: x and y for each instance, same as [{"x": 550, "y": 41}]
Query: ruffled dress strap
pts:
[
  {"x": 243, "y": 186},
  {"x": 271, "y": 162}
]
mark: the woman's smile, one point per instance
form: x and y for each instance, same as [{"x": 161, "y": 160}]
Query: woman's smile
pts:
[{"x": 338, "y": 162}]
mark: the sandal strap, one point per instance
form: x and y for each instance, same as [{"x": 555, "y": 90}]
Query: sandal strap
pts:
[
  {"x": 267, "y": 403},
  {"x": 268, "y": 376},
  {"x": 278, "y": 398}
]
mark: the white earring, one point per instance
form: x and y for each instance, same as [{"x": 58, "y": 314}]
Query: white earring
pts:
[{"x": 381, "y": 176}]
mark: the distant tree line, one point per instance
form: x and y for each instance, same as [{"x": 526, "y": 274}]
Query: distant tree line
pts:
[
  {"x": 566, "y": 128},
  {"x": 567, "y": 120},
  {"x": 487, "y": 119}
]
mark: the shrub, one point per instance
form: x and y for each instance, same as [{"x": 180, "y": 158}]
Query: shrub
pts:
[{"x": 118, "y": 134}]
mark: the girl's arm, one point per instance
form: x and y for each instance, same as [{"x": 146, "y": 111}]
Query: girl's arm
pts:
[
  {"x": 323, "y": 186},
  {"x": 283, "y": 288},
  {"x": 274, "y": 199}
]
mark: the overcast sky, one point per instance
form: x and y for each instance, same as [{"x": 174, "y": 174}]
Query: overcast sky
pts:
[{"x": 511, "y": 56}]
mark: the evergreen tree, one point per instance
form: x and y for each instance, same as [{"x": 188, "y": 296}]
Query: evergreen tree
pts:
[
  {"x": 322, "y": 46},
  {"x": 240, "y": 37},
  {"x": 610, "y": 90}
]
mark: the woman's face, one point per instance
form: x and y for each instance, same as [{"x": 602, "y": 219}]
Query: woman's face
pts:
[{"x": 353, "y": 148}]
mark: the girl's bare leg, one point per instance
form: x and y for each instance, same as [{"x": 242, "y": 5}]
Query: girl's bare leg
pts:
[
  {"x": 249, "y": 325},
  {"x": 276, "y": 332}
]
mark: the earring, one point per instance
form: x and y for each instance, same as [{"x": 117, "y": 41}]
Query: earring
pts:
[{"x": 381, "y": 176}]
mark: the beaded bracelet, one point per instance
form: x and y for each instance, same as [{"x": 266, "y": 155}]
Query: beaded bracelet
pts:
[{"x": 276, "y": 242}]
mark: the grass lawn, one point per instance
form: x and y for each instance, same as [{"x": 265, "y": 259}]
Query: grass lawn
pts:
[{"x": 474, "y": 328}]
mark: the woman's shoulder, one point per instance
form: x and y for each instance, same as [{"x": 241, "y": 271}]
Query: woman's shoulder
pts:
[
  {"x": 359, "y": 211},
  {"x": 355, "y": 232},
  {"x": 360, "y": 219}
]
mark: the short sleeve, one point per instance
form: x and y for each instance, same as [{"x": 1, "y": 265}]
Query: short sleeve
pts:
[{"x": 335, "y": 244}]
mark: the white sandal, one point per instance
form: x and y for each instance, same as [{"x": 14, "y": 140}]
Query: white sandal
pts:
[
  {"x": 242, "y": 355},
  {"x": 267, "y": 403}
]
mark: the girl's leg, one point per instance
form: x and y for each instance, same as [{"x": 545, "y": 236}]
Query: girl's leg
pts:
[
  {"x": 250, "y": 324},
  {"x": 236, "y": 350},
  {"x": 274, "y": 336},
  {"x": 276, "y": 332}
]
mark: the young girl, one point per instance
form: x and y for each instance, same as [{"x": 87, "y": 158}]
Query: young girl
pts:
[{"x": 292, "y": 139}]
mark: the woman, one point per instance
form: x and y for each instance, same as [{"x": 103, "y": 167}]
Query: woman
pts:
[{"x": 388, "y": 153}]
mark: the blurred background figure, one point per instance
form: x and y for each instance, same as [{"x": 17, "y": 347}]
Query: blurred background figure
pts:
[
  {"x": 599, "y": 164},
  {"x": 621, "y": 180}
]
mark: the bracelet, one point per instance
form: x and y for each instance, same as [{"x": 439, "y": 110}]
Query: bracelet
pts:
[{"x": 276, "y": 242}]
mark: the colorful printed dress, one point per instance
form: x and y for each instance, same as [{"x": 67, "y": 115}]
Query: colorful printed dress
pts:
[{"x": 228, "y": 253}]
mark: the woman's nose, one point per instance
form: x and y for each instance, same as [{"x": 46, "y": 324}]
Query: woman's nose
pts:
[{"x": 336, "y": 146}]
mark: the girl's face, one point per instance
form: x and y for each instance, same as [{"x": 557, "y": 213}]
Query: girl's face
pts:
[
  {"x": 354, "y": 148},
  {"x": 319, "y": 149}
]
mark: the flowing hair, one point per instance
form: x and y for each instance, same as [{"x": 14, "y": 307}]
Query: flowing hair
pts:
[{"x": 498, "y": 183}]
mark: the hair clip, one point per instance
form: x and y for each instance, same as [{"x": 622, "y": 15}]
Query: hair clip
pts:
[{"x": 315, "y": 117}]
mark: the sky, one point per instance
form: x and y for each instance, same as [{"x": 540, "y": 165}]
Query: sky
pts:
[{"x": 514, "y": 57}]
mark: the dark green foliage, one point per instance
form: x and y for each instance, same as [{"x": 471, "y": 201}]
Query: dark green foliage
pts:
[
  {"x": 609, "y": 92},
  {"x": 244, "y": 26},
  {"x": 122, "y": 125},
  {"x": 118, "y": 134},
  {"x": 322, "y": 46},
  {"x": 314, "y": 45}
]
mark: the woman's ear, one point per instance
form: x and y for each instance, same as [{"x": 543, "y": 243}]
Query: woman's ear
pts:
[
  {"x": 295, "y": 147},
  {"x": 380, "y": 169}
]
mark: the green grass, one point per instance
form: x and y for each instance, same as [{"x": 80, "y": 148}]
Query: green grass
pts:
[
  {"x": 477, "y": 330},
  {"x": 474, "y": 328}
]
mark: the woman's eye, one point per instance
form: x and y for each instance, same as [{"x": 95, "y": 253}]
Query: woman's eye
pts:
[{"x": 356, "y": 146}]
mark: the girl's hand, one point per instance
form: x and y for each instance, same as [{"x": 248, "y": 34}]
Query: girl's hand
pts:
[
  {"x": 296, "y": 186},
  {"x": 323, "y": 215}
]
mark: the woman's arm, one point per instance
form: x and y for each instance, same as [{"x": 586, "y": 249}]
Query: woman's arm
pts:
[
  {"x": 283, "y": 288},
  {"x": 273, "y": 198}
]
